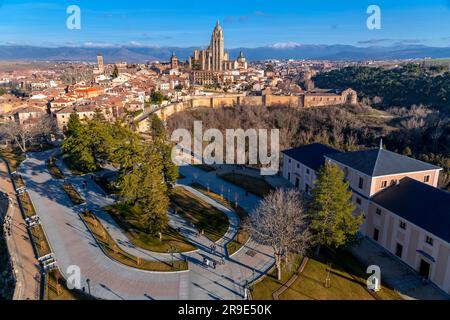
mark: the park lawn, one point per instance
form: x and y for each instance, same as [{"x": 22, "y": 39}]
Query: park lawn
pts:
[
  {"x": 14, "y": 157},
  {"x": 40, "y": 240},
  {"x": 27, "y": 205},
  {"x": 53, "y": 278},
  {"x": 204, "y": 216},
  {"x": 18, "y": 181},
  {"x": 264, "y": 289},
  {"x": 346, "y": 284},
  {"x": 126, "y": 217},
  {"x": 73, "y": 169},
  {"x": 242, "y": 236},
  {"x": 54, "y": 170},
  {"x": 254, "y": 185},
  {"x": 73, "y": 194},
  {"x": 116, "y": 253}
]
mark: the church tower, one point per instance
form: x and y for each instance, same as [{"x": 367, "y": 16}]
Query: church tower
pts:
[
  {"x": 174, "y": 61},
  {"x": 217, "y": 48}
]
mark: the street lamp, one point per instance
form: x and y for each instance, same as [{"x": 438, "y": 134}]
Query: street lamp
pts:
[{"x": 88, "y": 281}]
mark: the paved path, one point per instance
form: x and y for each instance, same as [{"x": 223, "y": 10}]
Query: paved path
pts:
[
  {"x": 397, "y": 274},
  {"x": 74, "y": 245},
  {"x": 19, "y": 245}
]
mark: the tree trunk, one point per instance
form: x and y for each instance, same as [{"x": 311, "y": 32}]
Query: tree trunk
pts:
[
  {"x": 278, "y": 265},
  {"x": 317, "y": 252}
]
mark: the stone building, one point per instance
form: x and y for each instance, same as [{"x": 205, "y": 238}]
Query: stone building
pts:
[{"x": 206, "y": 65}]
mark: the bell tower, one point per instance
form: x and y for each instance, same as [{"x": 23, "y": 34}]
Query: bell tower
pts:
[{"x": 217, "y": 48}]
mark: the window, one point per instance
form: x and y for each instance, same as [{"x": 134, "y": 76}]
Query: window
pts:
[
  {"x": 426, "y": 179},
  {"x": 297, "y": 182},
  {"x": 376, "y": 234},
  {"x": 403, "y": 225},
  {"x": 289, "y": 176},
  {"x": 289, "y": 160},
  {"x": 358, "y": 201},
  {"x": 307, "y": 171},
  {"x": 378, "y": 211},
  {"x": 429, "y": 240},
  {"x": 361, "y": 183},
  {"x": 307, "y": 188},
  {"x": 298, "y": 166},
  {"x": 384, "y": 184},
  {"x": 399, "y": 250}
]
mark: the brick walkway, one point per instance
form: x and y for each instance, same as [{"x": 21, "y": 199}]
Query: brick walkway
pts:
[
  {"x": 74, "y": 245},
  {"x": 25, "y": 263}
]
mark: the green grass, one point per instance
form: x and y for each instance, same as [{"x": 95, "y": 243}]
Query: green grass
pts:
[
  {"x": 73, "y": 169},
  {"x": 18, "y": 181},
  {"x": 56, "y": 288},
  {"x": 116, "y": 253},
  {"x": 242, "y": 236},
  {"x": 40, "y": 240},
  {"x": 205, "y": 217},
  {"x": 347, "y": 275},
  {"x": 264, "y": 289},
  {"x": 14, "y": 157},
  {"x": 254, "y": 185},
  {"x": 73, "y": 194},
  {"x": 54, "y": 170},
  {"x": 27, "y": 205},
  {"x": 126, "y": 217},
  {"x": 348, "y": 280}
]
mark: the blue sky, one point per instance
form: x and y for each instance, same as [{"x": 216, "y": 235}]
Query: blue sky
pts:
[{"x": 246, "y": 23}]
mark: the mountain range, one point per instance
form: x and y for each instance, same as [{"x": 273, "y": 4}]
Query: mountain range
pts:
[{"x": 279, "y": 51}]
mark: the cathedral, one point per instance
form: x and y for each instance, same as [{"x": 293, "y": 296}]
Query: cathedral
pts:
[{"x": 208, "y": 64}]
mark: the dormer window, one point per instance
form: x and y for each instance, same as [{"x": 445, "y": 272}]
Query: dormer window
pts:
[
  {"x": 426, "y": 179},
  {"x": 429, "y": 240},
  {"x": 384, "y": 184}
]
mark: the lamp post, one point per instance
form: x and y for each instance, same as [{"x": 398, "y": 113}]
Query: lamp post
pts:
[{"x": 88, "y": 281}]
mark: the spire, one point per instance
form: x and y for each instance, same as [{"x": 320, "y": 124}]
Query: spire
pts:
[{"x": 218, "y": 27}]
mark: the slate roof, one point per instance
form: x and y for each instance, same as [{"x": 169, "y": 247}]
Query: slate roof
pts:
[
  {"x": 380, "y": 162},
  {"x": 420, "y": 204},
  {"x": 312, "y": 155}
]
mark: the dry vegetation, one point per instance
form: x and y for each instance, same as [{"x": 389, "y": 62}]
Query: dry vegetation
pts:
[{"x": 417, "y": 131}]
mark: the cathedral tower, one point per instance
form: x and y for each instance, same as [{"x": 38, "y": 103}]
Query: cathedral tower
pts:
[{"x": 217, "y": 48}]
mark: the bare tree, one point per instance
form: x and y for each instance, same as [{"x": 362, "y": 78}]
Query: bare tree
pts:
[
  {"x": 280, "y": 221},
  {"x": 24, "y": 134}
]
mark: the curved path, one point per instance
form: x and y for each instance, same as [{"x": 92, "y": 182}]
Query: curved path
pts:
[{"x": 73, "y": 244}]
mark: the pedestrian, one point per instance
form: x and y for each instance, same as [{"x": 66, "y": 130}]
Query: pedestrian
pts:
[
  {"x": 223, "y": 260},
  {"x": 214, "y": 265}
]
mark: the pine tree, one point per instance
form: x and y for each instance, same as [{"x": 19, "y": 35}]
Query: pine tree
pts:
[
  {"x": 144, "y": 186},
  {"x": 74, "y": 125},
  {"x": 159, "y": 140},
  {"x": 331, "y": 210}
]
